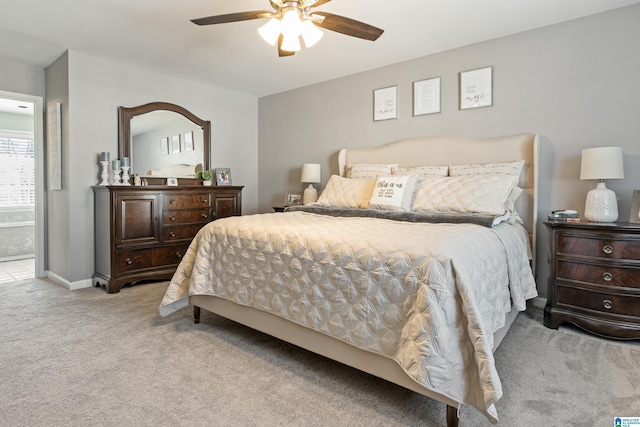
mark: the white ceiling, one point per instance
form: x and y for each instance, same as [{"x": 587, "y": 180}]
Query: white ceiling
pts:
[{"x": 157, "y": 35}]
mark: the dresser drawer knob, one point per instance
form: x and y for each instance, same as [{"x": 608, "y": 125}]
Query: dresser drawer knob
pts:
[
  {"x": 172, "y": 218},
  {"x": 204, "y": 215},
  {"x": 205, "y": 200},
  {"x": 607, "y": 304},
  {"x": 128, "y": 261},
  {"x": 607, "y": 277},
  {"x": 171, "y": 202},
  {"x": 608, "y": 249},
  {"x": 172, "y": 234},
  {"x": 178, "y": 255}
]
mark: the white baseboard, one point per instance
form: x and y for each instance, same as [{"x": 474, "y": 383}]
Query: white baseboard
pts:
[{"x": 72, "y": 286}]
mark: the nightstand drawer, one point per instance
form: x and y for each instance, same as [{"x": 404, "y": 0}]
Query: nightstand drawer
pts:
[
  {"x": 597, "y": 274},
  {"x": 595, "y": 247},
  {"x": 598, "y": 301}
]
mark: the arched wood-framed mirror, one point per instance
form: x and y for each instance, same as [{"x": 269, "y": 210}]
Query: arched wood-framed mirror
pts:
[{"x": 163, "y": 140}]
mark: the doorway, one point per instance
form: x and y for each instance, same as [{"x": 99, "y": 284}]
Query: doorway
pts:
[{"x": 21, "y": 187}]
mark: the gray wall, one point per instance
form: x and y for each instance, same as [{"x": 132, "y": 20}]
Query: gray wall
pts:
[
  {"x": 21, "y": 78},
  {"x": 574, "y": 83},
  {"x": 91, "y": 90}
]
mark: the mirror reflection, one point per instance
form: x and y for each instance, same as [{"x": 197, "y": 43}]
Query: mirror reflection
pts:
[
  {"x": 164, "y": 140},
  {"x": 165, "y": 143}
]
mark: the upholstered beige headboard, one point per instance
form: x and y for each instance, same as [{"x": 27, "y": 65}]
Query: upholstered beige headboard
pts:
[{"x": 447, "y": 150}]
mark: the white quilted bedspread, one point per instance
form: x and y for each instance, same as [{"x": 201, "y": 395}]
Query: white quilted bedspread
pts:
[{"x": 428, "y": 296}]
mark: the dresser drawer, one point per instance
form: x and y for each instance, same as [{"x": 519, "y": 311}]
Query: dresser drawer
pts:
[
  {"x": 598, "y": 247},
  {"x": 131, "y": 260},
  {"x": 598, "y": 301},
  {"x": 179, "y": 201},
  {"x": 598, "y": 274},
  {"x": 170, "y": 234},
  {"x": 186, "y": 216}
]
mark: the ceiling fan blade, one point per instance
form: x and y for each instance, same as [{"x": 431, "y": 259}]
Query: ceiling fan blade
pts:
[
  {"x": 348, "y": 26},
  {"x": 230, "y": 17},
  {"x": 320, "y": 3},
  {"x": 281, "y": 52}
]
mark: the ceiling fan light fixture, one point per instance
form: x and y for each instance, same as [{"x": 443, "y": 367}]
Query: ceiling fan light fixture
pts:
[
  {"x": 310, "y": 33},
  {"x": 290, "y": 43},
  {"x": 271, "y": 31}
]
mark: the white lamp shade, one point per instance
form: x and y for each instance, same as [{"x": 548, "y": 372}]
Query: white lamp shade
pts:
[
  {"x": 311, "y": 172},
  {"x": 602, "y": 163}
]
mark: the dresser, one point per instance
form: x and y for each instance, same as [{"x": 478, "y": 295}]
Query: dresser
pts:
[
  {"x": 594, "y": 281},
  {"x": 141, "y": 233}
]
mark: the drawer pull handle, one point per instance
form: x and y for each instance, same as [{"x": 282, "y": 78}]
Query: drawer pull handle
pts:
[
  {"x": 607, "y": 277},
  {"x": 607, "y": 304},
  {"x": 204, "y": 200},
  {"x": 204, "y": 215},
  {"x": 172, "y": 218},
  {"x": 608, "y": 249},
  {"x": 172, "y": 234},
  {"x": 171, "y": 202},
  {"x": 128, "y": 261},
  {"x": 178, "y": 254}
]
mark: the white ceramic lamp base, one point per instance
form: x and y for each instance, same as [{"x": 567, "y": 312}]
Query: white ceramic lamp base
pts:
[
  {"x": 601, "y": 204},
  {"x": 310, "y": 195}
]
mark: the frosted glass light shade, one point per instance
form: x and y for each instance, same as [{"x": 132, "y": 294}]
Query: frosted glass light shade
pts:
[
  {"x": 601, "y": 204},
  {"x": 271, "y": 31},
  {"x": 310, "y": 33}
]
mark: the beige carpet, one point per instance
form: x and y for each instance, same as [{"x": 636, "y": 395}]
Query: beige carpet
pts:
[{"x": 85, "y": 358}]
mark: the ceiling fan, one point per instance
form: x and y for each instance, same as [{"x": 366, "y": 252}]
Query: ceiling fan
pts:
[{"x": 292, "y": 19}]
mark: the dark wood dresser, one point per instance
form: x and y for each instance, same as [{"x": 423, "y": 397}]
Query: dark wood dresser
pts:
[
  {"x": 141, "y": 233},
  {"x": 595, "y": 278}
]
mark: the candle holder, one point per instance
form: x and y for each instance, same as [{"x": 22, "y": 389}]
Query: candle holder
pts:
[
  {"x": 115, "y": 176},
  {"x": 105, "y": 172},
  {"x": 125, "y": 175}
]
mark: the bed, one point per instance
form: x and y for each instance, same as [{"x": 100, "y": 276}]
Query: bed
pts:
[{"x": 421, "y": 299}]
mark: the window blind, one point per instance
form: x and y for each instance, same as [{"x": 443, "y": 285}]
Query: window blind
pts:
[{"x": 17, "y": 172}]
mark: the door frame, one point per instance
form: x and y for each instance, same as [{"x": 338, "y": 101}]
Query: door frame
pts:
[{"x": 40, "y": 208}]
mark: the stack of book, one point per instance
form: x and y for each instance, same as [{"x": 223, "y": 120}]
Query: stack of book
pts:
[{"x": 564, "y": 216}]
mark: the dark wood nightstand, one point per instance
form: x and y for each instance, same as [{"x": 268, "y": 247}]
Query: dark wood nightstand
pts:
[{"x": 595, "y": 278}]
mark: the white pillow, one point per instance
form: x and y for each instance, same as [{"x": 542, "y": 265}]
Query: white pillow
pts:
[
  {"x": 368, "y": 170},
  {"x": 393, "y": 193},
  {"x": 502, "y": 168},
  {"x": 346, "y": 192},
  {"x": 484, "y": 194},
  {"x": 422, "y": 171}
]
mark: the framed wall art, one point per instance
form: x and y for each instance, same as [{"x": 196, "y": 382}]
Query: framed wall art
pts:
[
  {"x": 223, "y": 176},
  {"x": 634, "y": 216},
  {"x": 426, "y": 96},
  {"x": 385, "y": 103},
  {"x": 175, "y": 144},
  {"x": 476, "y": 88},
  {"x": 164, "y": 146},
  {"x": 187, "y": 141}
]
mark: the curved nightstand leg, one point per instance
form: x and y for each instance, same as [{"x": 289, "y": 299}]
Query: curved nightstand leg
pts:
[{"x": 196, "y": 314}]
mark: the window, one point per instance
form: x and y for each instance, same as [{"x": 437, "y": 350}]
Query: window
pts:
[{"x": 17, "y": 171}]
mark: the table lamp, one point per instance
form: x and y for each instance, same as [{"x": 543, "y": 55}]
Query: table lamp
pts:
[
  {"x": 311, "y": 175},
  {"x": 601, "y": 163}
]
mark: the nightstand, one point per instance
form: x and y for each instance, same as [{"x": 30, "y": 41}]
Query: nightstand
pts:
[
  {"x": 595, "y": 278},
  {"x": 279, "y": 208}
]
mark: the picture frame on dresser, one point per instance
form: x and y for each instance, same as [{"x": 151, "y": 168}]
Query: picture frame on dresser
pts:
[
  {"x": 634, "y": 215},
  {"x": 223, "y": 176}
]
